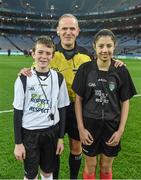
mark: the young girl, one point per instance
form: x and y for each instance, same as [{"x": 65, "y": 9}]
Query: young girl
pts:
[{"x": 102, "y": 105}]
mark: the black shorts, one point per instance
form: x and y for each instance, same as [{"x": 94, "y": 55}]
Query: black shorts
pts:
[
  {"x": 40, "y": 146},
  {"x": 71, "y": 123},
  {"x": 101, "y": 130}
]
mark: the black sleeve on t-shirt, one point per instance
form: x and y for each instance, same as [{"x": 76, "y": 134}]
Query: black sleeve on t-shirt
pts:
[
  {"x": 127, "y": 89},
  {"x": 79, "y": 81},
  {"x": 18, "y": 126},
  {"x": 62, "y": 122}
]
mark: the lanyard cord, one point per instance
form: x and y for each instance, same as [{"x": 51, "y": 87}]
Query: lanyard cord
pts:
[
  {"x": 50, "y": 106},
  {"x": 44, "y": 90}
]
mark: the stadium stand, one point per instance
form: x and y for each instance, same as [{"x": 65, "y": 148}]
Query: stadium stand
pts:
[{"x": 21, "y": 21}]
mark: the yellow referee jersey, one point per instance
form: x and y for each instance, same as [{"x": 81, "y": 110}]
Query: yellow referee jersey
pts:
[{"x": 67, "y": 63}]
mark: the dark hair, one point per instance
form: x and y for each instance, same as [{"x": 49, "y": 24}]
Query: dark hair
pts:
[
  {"x": 46, "y": 40},
  {"x": 104, "y": 32}
]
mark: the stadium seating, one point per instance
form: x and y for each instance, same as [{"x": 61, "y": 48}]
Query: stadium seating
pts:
[{"x": 22, "y": 21}]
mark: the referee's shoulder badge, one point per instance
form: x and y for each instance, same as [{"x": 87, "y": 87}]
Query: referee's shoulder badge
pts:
[{"x": 112, "y": 85}]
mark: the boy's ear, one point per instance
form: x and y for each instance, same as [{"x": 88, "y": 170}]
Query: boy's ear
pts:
[
  {"x": 53, "y": 55},
  {"x": 32, "y": 54}
]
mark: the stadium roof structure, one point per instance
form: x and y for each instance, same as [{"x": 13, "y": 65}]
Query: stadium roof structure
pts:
[
  {"x": 59, "y": 7},
  {"x": 41, "y": 16}
]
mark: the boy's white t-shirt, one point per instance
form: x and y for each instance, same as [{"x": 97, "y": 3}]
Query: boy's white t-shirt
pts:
[{"x": 36, "y": 108}]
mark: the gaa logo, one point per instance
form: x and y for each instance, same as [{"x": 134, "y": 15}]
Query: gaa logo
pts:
[
  {"x": 112, "y": 86},
  {"x": 31, "y": 88}
]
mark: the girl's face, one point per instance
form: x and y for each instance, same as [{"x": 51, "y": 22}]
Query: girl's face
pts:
[{"x": 104, "y": 48}]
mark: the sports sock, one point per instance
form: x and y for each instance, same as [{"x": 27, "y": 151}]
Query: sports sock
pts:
[
  {"x": 88, "y": 176},
  {"x": 106, "y": 175},
  {"x": 57, "y": 168},
  {"x": 47, "y": 178},
  {"x": 74, "y": 164}
]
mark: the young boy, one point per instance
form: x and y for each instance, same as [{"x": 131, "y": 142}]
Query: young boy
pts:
[
  {"x": 102, "y": 105},
  {"x": 39, "y": 113}
]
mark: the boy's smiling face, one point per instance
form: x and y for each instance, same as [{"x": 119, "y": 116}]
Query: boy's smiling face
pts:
[{"x": 42, "y": 56}]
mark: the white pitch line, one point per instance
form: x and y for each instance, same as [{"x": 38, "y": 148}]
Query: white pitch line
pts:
[
  {"x": 137, "y": 95},
  {"x": 6, "y": 111}
]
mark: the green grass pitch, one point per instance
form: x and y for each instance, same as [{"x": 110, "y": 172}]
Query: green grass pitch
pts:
[{"x": 126, "y": 166}]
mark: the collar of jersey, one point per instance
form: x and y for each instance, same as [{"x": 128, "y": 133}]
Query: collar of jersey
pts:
[
  {"x": 64, "y": 51},
  {"x": 39, "y": 74},
  {"x": 111, "y": 68}
]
